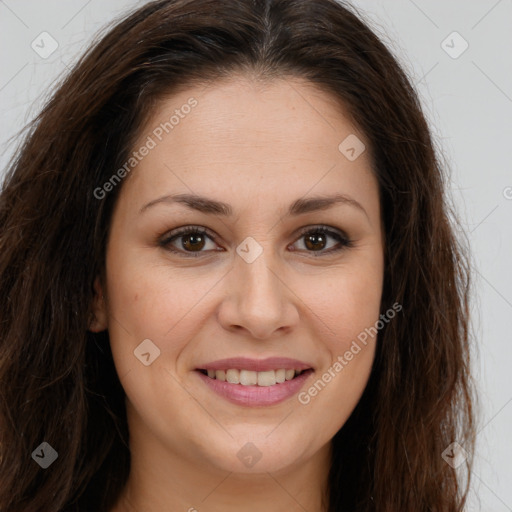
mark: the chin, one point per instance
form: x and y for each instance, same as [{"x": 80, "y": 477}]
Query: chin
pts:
[{"x": 256, "y": 453}]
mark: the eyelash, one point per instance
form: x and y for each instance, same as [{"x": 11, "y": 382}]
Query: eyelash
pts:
[{"x": 166, "y": 240}]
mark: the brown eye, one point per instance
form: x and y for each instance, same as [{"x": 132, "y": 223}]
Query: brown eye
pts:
[
  {"x": 193, "y": 241},
  {"x": 316, "y": 240}
]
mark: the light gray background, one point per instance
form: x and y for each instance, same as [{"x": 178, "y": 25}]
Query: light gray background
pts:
[{"x": 468, "y": 101}]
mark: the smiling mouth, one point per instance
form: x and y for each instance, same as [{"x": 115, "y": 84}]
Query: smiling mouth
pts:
[{"x": 253, "y": 378}]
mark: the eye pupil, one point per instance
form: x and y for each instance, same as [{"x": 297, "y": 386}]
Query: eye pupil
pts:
[
  {"x": 196, "y": 239},
  {"x": 316, "y": 238}
]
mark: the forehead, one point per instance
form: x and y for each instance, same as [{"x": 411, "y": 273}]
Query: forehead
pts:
[
  {"x": 242, "y": 111},
  {"x": 243, "y": 136}
]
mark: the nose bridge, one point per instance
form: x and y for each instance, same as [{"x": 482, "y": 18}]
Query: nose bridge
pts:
[
  {"x": 258, "y": 300},
  {"x": 256, "y": 275}
]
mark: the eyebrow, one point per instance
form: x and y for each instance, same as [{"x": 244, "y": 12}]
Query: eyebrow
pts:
[{"x": 213, "y": 207}]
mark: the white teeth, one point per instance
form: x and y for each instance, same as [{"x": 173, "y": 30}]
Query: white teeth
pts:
[
  {"x": 248, "y": 378},
  {"x": 233, "y": 376},
  {"x": 251, "y": 378},
  {"x": 267, "y": 378},
  {"x": 280, "y": 376},
  {"x": 289, "y": 374}
]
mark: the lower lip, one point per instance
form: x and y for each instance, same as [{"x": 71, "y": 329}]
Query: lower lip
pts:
[{"x": 256, "y": 396}]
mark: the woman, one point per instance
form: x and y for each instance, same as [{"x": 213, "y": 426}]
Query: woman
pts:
[{"x": 229, "y": 278}]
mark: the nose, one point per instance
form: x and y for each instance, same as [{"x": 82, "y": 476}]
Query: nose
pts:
[{"x": 257, "y": 299}]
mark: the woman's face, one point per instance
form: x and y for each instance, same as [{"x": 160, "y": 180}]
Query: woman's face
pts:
[{"x": 254, "y": 297}]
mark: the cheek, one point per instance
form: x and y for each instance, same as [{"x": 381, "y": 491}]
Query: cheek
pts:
[
  {"x": 148, "y": 301},
  {"x": 346, "y": 302},
  {"x": 347, "y": 313},
  {"x": 346, "y": 306}
]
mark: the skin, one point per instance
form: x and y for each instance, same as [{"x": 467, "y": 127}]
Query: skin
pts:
[{"x": 258, "y": 147}]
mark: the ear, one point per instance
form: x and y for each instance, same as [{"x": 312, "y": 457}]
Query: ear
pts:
[{"x": 98, "y": 322}]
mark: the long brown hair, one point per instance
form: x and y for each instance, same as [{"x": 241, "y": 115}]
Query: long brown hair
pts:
[{"x": 57, "y": 380}]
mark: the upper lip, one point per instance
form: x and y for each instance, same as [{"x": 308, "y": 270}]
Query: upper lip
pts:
[{"x": 256, "y": 365}]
